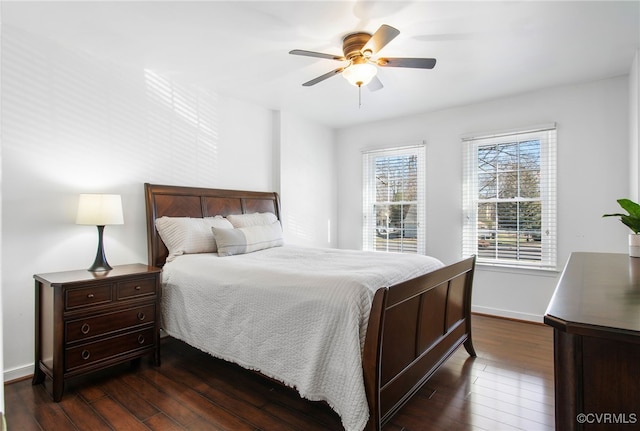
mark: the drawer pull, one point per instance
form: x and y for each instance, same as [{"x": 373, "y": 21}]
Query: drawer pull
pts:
[
  {"x": 141, "y": 339},
  {"x": 85, "y": 328},
  {"x": 91, "y": 295},
  {"x": 137, "y": 287},
  {"x": 85, "y": 354},
  {"x": 141, "y": 316}
]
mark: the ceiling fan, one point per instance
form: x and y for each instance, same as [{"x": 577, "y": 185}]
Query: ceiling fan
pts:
[{"x": 359, "y": 50}]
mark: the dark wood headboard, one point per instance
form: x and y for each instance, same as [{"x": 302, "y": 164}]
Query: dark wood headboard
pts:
[{"x": 176, "y": 201}]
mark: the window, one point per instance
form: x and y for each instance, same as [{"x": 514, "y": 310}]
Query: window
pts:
[
  {"x": 393, "y": 200},
  {"x": 509, "y": 198}
]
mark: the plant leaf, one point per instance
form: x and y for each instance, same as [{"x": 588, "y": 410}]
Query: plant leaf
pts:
[
  {"x": 632, "y": 219},
  {"x": 631, "y": 207},
  {"x": 631, "y": 222}
]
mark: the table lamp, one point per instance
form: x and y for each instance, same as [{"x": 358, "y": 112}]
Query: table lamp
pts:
[{"x": 99, "y": 210}]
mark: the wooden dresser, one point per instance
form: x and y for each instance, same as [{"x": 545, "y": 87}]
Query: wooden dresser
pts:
[
  {"x": 595, "y": 313},
  {"x": 86, "y": 321}
]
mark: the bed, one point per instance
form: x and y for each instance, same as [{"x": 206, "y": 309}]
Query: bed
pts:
[{"x": 405, "y": 330}]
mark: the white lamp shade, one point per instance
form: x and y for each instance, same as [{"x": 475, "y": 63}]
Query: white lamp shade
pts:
[
  {"x": 99, "y": 210},
  {"x": 360, "y": 74}
]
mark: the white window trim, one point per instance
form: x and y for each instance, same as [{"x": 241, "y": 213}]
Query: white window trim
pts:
[
  {"x": 548, "y": 195},
  {"x": 368, "y": 193}
]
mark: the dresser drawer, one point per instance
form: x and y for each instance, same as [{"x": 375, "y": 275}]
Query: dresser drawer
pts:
[
  {"x": 89, "y": 327},
  {"x": 86, "y": 296},
  {"x": 88, "y": 354},
  {"x": 136, "y": 288}
]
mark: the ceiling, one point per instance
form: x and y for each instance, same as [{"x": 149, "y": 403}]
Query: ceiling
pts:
[{"x": 484, "y": 50}]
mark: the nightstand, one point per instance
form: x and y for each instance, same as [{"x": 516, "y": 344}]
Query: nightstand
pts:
[{"x": 86, "y": 321}]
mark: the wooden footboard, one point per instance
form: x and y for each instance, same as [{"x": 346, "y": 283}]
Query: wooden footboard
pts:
[{"x": 413, "y": 328}]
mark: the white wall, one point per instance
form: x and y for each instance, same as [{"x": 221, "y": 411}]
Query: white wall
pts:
[
  {"x": 72, "y": 124},
  {"x": 308, "y": 182},
  {"x": 634, "y": 127},
  {"x": 1, "y": 323},
  {"x": 593, "y": 172}
]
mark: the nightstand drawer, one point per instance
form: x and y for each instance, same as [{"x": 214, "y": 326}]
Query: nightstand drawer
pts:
[
  {"x": 87, "y": 354},
  {"x": 89, "y": 327},
  {"x": 135, "y": 288},
  {"x": 85, "y": 296}
]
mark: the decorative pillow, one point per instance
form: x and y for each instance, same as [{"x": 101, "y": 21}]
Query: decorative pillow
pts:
[
  {"x": 248, "y": 239},
  {"x": 186, "y": 235},
  {"x": 254, "y": 219}
]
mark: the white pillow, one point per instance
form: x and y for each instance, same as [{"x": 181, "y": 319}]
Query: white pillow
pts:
[
  {"x": 248, "y": 239},
  {"x": 186, "y": 235},
  {"x": 254, "y": 219}
]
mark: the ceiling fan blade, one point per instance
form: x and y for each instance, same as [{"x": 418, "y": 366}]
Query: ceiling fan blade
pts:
[
  {"x": 323, "y": 77},
  {"x": 380, "y": 38},
  {"x": 416, "y": 63},
  {"x": 316, "y": 54},
  {"x": 375, "y": 84}
]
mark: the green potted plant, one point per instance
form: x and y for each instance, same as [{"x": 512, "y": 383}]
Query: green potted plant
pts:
[{"x": 632, "y": 221}]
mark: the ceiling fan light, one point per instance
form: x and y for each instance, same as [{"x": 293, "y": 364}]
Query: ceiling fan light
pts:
[{"x": 360, "y": 74}]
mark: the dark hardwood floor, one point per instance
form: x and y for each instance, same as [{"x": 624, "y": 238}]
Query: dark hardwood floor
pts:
[{"x": 509, "y": 386}]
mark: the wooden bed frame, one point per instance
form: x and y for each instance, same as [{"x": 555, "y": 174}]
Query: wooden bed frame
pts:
[{"x": 413, "y": 327}]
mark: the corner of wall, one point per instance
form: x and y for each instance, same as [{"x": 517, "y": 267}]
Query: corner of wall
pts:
[
  {"x": 634, "y": 135},
  {"x": 276, "y": 137}
]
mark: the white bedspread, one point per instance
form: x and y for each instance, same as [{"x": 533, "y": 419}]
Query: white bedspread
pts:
[{"x": 295, "y": 314}]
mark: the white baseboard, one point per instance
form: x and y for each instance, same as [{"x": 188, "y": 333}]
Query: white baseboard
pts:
[
  {"x": 18, "y": 373},
  {"x": 507, "y": 313}
]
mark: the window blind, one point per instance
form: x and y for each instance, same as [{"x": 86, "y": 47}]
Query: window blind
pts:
[
  {"x": 394, "y": 199},
  {"x": 509, "y": 198}
]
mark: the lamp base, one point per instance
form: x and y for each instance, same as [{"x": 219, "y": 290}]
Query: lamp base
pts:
[
  {"x": 100, "y": 264},
  {"x": 100, "y": 267}
]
